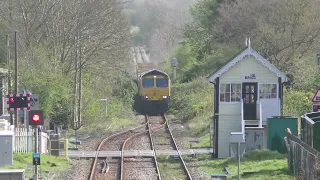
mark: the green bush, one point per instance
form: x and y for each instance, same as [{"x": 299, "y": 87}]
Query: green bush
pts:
[
  {"x": 124, "y": 89},
  {"x": 191, "y": 99},
  {"x": 296, "y": 102},
  {"x": 119, "y": 105},
  {"x": 41, "y": 77}
]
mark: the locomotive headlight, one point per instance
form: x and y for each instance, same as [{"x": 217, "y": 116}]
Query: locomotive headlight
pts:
[
  {"x": 146, "y": 97},
  {"x": 164, "y": 97}
]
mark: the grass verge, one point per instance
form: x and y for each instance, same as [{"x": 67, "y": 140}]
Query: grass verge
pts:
[
  {"x": 49, "y": 164},
  {"x": 106, "y": 125},
  {"x": 170, "y": 168},
  {"x": 192, "y": 104},
  {"x": 255, "y": 165}
]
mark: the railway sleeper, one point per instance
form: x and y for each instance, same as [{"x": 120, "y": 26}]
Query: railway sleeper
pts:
[
  {"x": 176, "y": 157},
  {"x": 192, "y": 155},
  {"x": 229, "y": 171},
  {"x": 101, "y": 168},
  {"x": 164, "y": 144}
]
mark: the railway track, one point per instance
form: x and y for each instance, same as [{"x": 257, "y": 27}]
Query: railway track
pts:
[
  {"x": 156, "y": 124},
  {"x": 103, "y": 168},
  {"x": 163, "y": 140},
  {"x": 145, "y": 168},
  {"x": 128, "y": 167}
]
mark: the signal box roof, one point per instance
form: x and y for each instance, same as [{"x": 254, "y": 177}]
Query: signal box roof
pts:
[{"x": 248, "y": 51}]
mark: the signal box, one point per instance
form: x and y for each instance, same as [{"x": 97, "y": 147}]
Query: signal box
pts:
[{"x": 36, "y": 117}]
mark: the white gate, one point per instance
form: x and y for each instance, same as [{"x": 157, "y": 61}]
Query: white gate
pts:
[{"x": 24, "y": 141}]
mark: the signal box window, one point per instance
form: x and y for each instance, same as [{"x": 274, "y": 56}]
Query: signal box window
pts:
[
  {"x": 268, "y": 91},
  {"x": 147, "y": 83},
  {"x": 230, "y": 92},
  {"x": 162, "y": 82}
]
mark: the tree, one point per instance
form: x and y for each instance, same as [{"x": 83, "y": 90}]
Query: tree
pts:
[
  {"x": 169, "y": 33},
  {"x": 161, "y": 24},
  {"x": 199, "y": 32},
  {"x": 280, "y": 30},
  {"x": 58, "y": 34}
]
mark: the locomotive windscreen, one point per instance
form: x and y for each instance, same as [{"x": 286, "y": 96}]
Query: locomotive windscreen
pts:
[
  {"x": 147, "y": 82},
  {"x": 162, "y": 82}
]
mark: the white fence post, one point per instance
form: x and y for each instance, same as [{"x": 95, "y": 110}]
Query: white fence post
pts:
[
  {"x": 43, "y": 143},
  {"x": 20, "y": 141}
]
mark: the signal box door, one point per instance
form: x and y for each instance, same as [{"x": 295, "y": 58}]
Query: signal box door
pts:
[{"x": 249, "y": 95}]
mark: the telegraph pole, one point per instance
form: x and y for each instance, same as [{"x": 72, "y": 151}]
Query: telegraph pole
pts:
[
  {"x": 80, "y": 85},
  {"x": 75, "y": 85},
  {"x": 16, "y": 118},
  {"x": 9, "y": 73},
  {"x": 26, "y": 122},
  {"x": 36, "y": 152}
]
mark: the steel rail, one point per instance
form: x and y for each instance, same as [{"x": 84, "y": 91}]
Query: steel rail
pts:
[
  {"x": 122, "y": 151},
  {"x": 176, "y": 146},
  {"x": 104, "y": 166},
  {"x": 152, "y": 147},
  {"x": 149, "y": 130},
  {"x": 92, "y": 171},
  {"x": 107, "y": 167}
]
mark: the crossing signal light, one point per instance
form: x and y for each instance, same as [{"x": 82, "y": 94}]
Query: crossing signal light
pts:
[
  {"x": 18, "y": 102},
  {"x": 36, "y": 117}
]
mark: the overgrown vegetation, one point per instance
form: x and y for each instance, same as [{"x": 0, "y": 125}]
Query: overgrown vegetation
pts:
[
  {"x": 170, "y": 168},
  {"x": 256, "y": 164}
]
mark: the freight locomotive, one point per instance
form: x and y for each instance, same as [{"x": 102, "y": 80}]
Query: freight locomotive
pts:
[
  {"x": 153, "y": 84},
  {"x": 154, "y": 89}
]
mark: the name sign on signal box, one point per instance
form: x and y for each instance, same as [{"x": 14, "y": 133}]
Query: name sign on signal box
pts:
[{"x": 316, "y": 97}]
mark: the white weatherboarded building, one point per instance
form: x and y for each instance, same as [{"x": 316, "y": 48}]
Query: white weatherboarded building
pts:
[{"x": 248, "y": 90}]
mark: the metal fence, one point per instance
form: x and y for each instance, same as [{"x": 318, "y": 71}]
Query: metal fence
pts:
[{"x": 303, "y": 160}]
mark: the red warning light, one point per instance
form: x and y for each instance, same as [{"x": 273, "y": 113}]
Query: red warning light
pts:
[
  {"x": 11, "y": 100},
  {"x": 36, "y": 117}
]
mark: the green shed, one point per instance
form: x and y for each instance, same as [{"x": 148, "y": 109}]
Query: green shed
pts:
[{"x": 276, "y": 131}]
